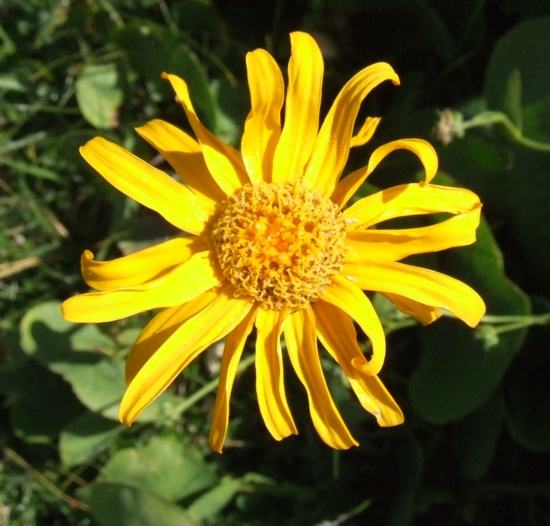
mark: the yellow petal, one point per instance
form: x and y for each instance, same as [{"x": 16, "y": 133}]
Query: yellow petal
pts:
[
  {"x": 331, "y": 149},
  {"x": 187, "y": 342},
  {"x": 366, "y": 132},
  {"x": 234, "y": 344},
  {"x": 423, "y": 313},
  {"x": 270, "y": 387},
  {"x": 419, "y": 284},
  {"x": 424, "y": 151},
  {"x": 139, "y": 267},
  {"x": 394, "y": 245},
  {"x": 184, "y": 154},
  {"x": 185, "y": 282},
  {"x": 303, "y": 101},
  {"x": 223, "y": 161},
  {"x": 148, "y": 186},
  {"x": 336, "y": 332},
  {"x": 302, "y": 349},
  {"x": 407, "y": 200},
  {"x": 262, "y": 128},
  {"x": 160, "y": 328},
  {"x": 349, "y": 298}
]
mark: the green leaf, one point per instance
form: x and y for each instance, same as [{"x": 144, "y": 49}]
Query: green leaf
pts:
[
  {"x": 98, "y": 95},
  {"x": 85, "y": 437},
  {"x": 527, "y": 392},
  {"x": 455, "y": 373},
  {"x": 97, "y": 380},
  {"x": 162, "y": 466},
  {"x": 99, "y": 386},
  {"x": 10, "y": 82},
  {"x": 48, "y": 338},
  {"x": 476, "y": 437},
  {"x": 41, "y": 403},
  {"x": 211, "y": 503},
  {"x": 115, "y": 504},
  {"x": 410, "y": 462},
  {"x": 523, "y": 50}
]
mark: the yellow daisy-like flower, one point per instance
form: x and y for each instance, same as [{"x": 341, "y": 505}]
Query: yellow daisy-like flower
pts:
[{"x": 272, "y": 245}]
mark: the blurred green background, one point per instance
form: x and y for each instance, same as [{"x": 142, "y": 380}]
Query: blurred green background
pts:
[{"x": 474, "y": 448}]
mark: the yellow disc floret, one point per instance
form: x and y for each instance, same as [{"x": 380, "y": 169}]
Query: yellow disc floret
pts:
[{"x": 279, "y": 243}]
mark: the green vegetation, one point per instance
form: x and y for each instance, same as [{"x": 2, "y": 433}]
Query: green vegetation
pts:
[{"x": 473, "y": 449}]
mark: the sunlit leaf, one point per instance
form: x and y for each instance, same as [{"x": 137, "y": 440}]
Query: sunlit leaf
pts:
[
  {"x": 99, "y": 95},
  {"x": 114, "y": 504},
  {"x": 85, "y": 437},
  {"x": 163, "y": 466}
]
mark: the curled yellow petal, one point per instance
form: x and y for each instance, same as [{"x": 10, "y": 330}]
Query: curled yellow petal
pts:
[
  {"x": 419, "y": 284},
  {"x": 223, "y": 161},
  {"x": 184, "y": 154},
  {"x": 302, "y": 105},
  {"x": 181, "y": 348},
  {"x": 270, "y": 387},
  {"x": 394, "y": 245},
  {"x": 366, "y": 132},
  {"x": 234, "y": 344},
  {"x": 148, "y": 186},
  {"x": 262, "y": 128},
  {"x": 183, "y": 283},
  {"x": 160, "y": 328},
  {"x": 332, "y": 145},
  {"x": 139, "y": 267},
  {"x": 406, "y": 200},
  {"x": 423, "y": 313},
  {"x": 423, "y": 150},
  {"x": 336, "y": 332},
  {"x": 301, "y": 343},
  {"x": 349, "y": 298}
]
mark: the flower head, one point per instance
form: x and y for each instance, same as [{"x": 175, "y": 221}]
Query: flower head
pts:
[{"x": 270, "y": 243}]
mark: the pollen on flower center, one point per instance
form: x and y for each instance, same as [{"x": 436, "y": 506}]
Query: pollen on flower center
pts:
[{"x": 279, "y": 243}]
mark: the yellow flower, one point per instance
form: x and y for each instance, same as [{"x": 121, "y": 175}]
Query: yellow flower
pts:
[{"x": 272, "y": 245}]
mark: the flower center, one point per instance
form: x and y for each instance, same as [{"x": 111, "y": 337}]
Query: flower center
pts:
[{"x": 279, "y": 243}]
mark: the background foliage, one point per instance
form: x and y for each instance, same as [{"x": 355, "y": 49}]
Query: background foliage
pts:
[{"x": 474, "y": 448}]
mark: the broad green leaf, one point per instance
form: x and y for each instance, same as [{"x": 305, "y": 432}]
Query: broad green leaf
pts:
[
  {"x": 525, "y": 196},
  {"x": 163, "y": 466},
  {"x": 116, "y": 504},
  {"x": 97, "y": 380},
  {"x": 48, "y": 338},
  {"x": 455, "y": 373},
  {"x": 513, "y": 185},
  {"x": 527, "y": 392},
  {"x": 85, "y": 437},
  {"x": 523, "y": 49},
  {"x": 476, "y": 436},
  {"x": 212, "y": 502},
  {"x": 410, "y": 462},
  {"x": 99, "y": 386},
  {"x": 98, "y": 95},
  {"x": 41, "y": 403},
  {"x": 480, "y": 165}
]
